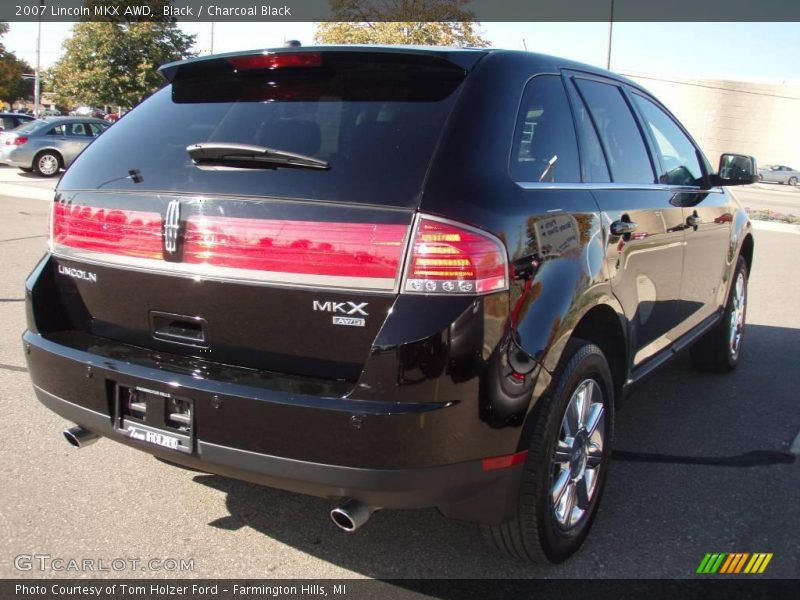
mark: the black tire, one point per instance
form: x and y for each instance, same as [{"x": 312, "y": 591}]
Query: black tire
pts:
[
  {"x": 535, "y": 534},
  {"x": 715, "y": 351},
  {"x": 26, "y": 169},
  {"x": 46, "y": 158}
]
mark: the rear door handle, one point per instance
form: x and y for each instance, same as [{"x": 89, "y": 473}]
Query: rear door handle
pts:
[{"x": 623, "y": 227}]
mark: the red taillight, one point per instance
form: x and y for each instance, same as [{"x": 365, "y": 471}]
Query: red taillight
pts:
[
  {"x": 446, "y": 258},
  {"x": 330, "y": 254},
  {"x": 16, "y": 140},
  {"x": 368, "y": 250},
  {"x": 276, "y": 61},
  {"x": 107, "y": 230}
]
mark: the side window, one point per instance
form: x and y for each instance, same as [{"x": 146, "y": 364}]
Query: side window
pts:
[
  {"x": 677, "y": 153},
  {"x": 77, "y": 129},
  {"x": 626, "y": 152},
  {"x": 544, "y": 147},
  {"x": 96, "y": 129},
  {"x": 595, "y": 169},
  {"x": 58, "y": 130}
]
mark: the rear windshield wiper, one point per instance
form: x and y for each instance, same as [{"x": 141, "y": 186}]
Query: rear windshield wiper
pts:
[{"x": 247, "y": 156}]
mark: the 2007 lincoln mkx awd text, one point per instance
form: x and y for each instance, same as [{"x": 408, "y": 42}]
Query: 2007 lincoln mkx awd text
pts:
[{"x": 397, "y": 278}]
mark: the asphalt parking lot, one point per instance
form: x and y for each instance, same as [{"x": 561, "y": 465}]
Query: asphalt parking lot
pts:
[{"x": 702, "y": 464}]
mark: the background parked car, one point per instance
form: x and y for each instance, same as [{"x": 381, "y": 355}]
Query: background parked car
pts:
[
  {"x": 12, "y": 120},
  {"x": 779, "y": 174},
  {"x": 49, "y": 112},
  {"x": 112, "y": 117},
  {"x": 45, "y": 146}
]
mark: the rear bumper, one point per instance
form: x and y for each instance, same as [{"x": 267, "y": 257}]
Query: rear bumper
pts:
[
  {"x": 77, "y": 385},
  {"x": 16, "y": 157}
]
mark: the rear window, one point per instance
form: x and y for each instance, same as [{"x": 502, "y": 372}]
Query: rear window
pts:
[
  {"x": 28, "y": 127},
  {"x": 374, "y": 117}
]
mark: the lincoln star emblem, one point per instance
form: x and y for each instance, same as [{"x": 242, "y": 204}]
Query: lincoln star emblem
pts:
[{"x": 172, "y": 226}]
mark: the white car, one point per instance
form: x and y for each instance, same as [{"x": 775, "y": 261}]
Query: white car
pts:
[{"x": 778, "y": 174}]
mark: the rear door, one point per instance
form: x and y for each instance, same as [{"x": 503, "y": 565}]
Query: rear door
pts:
[
  {"x": 706, "y": 212},
  {"x": 644, "y": 248},
  {"x": 289, "y": 269}
]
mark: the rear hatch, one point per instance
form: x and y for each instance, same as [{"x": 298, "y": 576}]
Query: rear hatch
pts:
[{"x": 279, "y": 244}]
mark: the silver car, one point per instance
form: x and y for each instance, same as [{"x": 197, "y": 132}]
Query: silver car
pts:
[
  {"x": 46, "y": 146},
  {"x": 779, "y": 174}
]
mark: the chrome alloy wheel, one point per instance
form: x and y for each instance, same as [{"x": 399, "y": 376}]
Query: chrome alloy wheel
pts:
[
  {"x": 736, "y": 326},
  {"x": 48, "y": 164},
  {"x": 578, "y": 455}
]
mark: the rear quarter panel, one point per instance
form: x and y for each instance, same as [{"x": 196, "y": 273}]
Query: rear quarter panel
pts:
[{"x": 470, "y": 182}]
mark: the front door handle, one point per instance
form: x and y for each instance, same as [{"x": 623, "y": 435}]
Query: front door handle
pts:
[
  {"x": 693, "y": 220},
  {"x": 623, "y": 227}
]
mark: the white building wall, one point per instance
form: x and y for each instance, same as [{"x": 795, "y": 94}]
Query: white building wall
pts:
[{"x": 734, "y": 116}]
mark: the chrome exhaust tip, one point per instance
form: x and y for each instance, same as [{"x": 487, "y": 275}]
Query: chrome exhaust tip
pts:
[
  {"x": 351, "y": 515},
  {"x": 79, "y": 437}
]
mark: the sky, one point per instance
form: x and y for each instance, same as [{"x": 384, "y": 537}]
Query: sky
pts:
[{"x": 764, "y": 52}]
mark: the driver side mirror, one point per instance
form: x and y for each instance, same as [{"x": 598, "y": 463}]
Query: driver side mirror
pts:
[{"x": 735, "y": 169}]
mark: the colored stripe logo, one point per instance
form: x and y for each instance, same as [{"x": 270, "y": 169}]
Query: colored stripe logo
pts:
[{"x": 731, "y": 563}]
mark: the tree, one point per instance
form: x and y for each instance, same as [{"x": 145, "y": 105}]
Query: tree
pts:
[
  {"x": 114, "y": 63},
  {"x": 12, "y": 85},
  {"x": 444, "y": 23}
]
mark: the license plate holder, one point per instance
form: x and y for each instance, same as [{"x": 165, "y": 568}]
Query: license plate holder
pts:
[{"x": 154, "y": 417}]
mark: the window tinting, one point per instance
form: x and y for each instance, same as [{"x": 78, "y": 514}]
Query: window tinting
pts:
[
  {"x": 374, "y": 117},
  {"x": 677, "y": 154},
  {"x": 545, "y": 148},
  {"x": 58, "y": 130},
  {"x": 595, "y": 169},
  {"x": 625, "y": 149}
]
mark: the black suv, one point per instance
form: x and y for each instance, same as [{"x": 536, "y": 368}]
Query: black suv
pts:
[{"x": 396, "y": 278}]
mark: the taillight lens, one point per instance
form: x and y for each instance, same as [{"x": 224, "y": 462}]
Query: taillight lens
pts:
[
  {"x": 315, "y": 253},
  {"x": 103, "y": 230},
  {"x": 16, "y": 140},
  {"x": 348, "y": 250},
  {"x": 448, "y": 258}
]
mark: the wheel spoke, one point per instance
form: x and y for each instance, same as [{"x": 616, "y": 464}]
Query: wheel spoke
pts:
[
  {"x": 569, "y": 504},
  {"x": 559, "y": 487},
  {"x": 591, "y": 481},
  {"x": 586, "y": 402},
  {"x": 596, "y": 419},
  {"x": 563, "y": 452},
  {"x": 571, "y": 421},
  {"x": 582, "y": 493},
  {"x": 595, "y": 456}
]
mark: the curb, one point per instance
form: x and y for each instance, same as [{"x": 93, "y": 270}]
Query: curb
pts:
[
  {"x": 25, "y": 191},
  {"x": 776, "y": 227}
]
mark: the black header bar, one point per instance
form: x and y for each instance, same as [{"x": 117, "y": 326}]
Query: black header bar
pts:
[{"x": 376, "y": 10}]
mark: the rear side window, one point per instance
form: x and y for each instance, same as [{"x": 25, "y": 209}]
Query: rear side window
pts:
[
  {"x": 545, "y": 149},
  {"x": 28, "y": 126},
  {"x": 593, "y": 161},
  {"x": 676, "y": 152},
  {"x": 79, "y": 129},
  {"x": 373, "y": 117},
  {"x": 58, "y": 130},
  {"x": 625, "y": 149}
]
